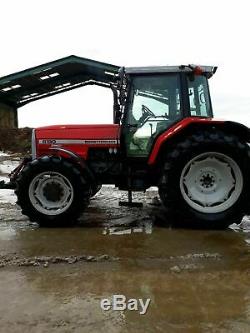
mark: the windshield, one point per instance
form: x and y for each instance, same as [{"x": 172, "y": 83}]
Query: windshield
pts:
[{"x": 155, "y": 107}]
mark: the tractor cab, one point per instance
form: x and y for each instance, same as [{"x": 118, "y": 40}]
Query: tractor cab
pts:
[{"x": 158, "y": 98}]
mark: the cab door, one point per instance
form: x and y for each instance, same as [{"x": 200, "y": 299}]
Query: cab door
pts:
[{"x": 155, "y": 105}]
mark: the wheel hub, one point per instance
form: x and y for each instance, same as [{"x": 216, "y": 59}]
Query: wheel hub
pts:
[
  {"x": 207, "y": 180},
  {"x": 211, "y": 182},
  {"x": 53, "y": 191}
]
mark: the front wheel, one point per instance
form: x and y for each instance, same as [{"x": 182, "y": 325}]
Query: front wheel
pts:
[
  {"x": 205, "y": 180},
  {"x": 52, "y": 191}
]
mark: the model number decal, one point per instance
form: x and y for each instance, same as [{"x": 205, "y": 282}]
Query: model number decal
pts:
[
  {"x": 76, "y": 142},
  {"x": 47, "y": 142}
]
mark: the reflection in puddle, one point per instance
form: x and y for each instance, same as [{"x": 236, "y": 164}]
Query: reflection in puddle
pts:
[
  {"x": 7, "y": 233},
  {"x": 147, "y": 229}
]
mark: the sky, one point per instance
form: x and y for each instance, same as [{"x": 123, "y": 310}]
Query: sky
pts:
[{"x": 127, "y": 33}]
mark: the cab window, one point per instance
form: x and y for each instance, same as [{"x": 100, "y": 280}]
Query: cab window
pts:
[{"x": 199, "y": 101}]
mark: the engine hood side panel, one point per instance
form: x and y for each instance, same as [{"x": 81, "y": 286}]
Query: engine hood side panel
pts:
[{"x": 77, "y": 138}]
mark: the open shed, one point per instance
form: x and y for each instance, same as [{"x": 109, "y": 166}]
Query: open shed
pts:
[{"x": 49, "y": 79}]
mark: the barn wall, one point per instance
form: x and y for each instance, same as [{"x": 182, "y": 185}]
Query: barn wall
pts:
[
  {"x": 8, "y": 116},
  {"x": 16, "y": 140}
]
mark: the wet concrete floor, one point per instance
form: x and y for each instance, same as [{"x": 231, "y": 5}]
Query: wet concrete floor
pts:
[{"x": 52, "y": 280}]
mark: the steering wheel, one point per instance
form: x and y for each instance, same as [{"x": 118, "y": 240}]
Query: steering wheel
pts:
[{"x": 147, "y": 112}]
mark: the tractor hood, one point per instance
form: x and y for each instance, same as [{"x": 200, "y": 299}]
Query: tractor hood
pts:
[
  {"x": 90, "y": 132},
  {"x": 76, "y": 138}
]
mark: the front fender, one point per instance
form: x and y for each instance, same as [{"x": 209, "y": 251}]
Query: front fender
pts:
[{"x": 76, "y": 158}]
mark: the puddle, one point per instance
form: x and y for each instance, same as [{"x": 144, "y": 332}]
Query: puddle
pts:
[{"x": 54, "y": 279}]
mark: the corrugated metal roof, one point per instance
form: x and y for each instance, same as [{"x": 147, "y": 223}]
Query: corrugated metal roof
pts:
[{"x": 52, "y": 78}]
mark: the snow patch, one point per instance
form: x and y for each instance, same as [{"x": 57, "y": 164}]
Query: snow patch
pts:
[
  {"x": 3, "y": 154},
  {"x": 7, "y": 166},
  {"x": 7, "y": 196}
]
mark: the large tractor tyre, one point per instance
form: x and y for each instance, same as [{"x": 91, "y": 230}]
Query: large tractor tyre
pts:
[
  {"x": 52, "y": 191},
  {"x": 205, "y": 180}
]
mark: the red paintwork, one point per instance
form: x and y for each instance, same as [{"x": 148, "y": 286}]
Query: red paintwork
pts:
[
  {"x": 175, "y": 129},
  {"x": 103, "y": 132},
  {"x": 77, "y": 132}
]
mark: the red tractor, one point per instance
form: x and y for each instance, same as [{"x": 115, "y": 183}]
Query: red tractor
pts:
[{"x": 163, "y": 135}]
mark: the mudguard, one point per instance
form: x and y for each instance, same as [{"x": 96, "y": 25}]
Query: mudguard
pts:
[{"x": 193, "y": 123}]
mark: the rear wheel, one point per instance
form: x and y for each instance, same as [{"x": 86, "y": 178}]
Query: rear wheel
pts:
[
  {"x": 52, "y": 191},
  {"x": 205, "y": 180}
]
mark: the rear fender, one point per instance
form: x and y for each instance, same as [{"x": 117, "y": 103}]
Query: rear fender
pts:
[
  {"x": 242, "y": 131},
  {"x": 187, "y": 126}
]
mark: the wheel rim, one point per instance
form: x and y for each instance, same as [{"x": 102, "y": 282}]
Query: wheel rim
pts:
[
  {"x": 211, "y": 182},
  {"x": 51, "y": 193}
]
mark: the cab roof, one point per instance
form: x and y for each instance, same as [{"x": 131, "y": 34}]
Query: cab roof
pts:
[{"x": 169, "y": 69}]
